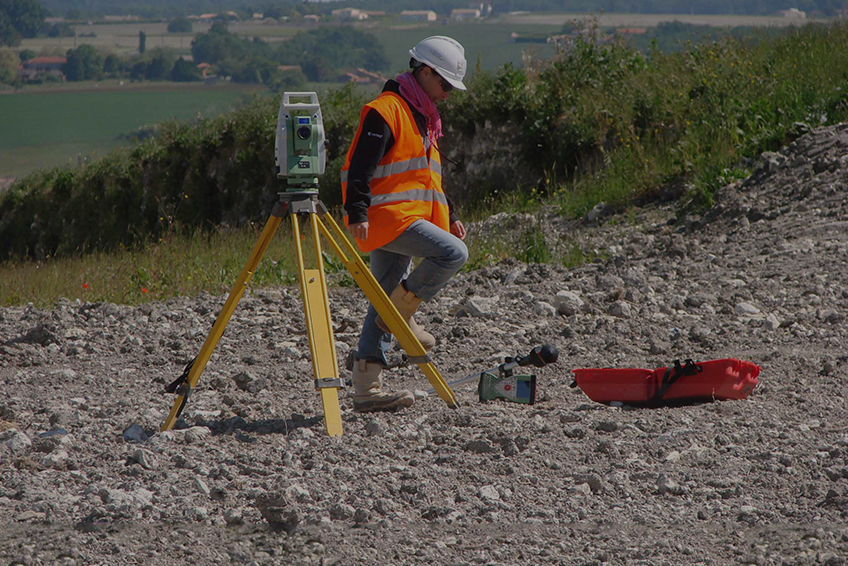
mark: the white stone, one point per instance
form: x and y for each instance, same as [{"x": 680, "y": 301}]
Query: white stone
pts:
[
  {"x": 621, "y": 309},
  {"x": 567, "y": 303},
  {"x": 299, "y": 493},
  {"x": 143, "y": 498},
  {"x": 66, "y": 373},
  {"x": 544, "y": 309},
  {"x": 772, "y": 322},
  {"x": 746, "y": 309},
  {"x": 489, "y": 492},
  {"x": 55, "y": 458},
  {"x": 580, "y": 490},
  {"x": 201, "y": 486},
  {"x": 481, "y": 306},
  {"x": 17, "y": 441}
]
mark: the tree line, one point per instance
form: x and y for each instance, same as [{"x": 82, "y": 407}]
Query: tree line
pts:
[
  {"x": 319, "y": 53},
  {"x": 292, "y": 8},
  {"x": 25, "y": 19},
  {"x": 316, "y": 55}
]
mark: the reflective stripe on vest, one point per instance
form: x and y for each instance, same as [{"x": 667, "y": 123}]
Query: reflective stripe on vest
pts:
[
  {"x": 423, "y": 195},
  {"x": 402, "y": 167}
]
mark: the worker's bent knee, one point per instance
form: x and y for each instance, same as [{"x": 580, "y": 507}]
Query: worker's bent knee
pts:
[{"x": 457, "y": 255}]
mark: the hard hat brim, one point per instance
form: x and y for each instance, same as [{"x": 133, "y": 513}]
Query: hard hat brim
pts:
[{"x": 456, "y": 83}]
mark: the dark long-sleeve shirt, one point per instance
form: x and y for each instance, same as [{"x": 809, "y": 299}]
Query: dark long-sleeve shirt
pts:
[{"x": 374, "y": 143}]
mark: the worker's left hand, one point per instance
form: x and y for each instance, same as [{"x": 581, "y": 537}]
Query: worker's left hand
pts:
[{"x": 458, "y": 230}]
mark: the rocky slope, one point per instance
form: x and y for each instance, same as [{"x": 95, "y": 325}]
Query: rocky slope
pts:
[{"x": 251, "y": 478}]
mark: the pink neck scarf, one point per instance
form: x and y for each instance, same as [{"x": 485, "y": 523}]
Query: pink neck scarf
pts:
[{"x": 415, "y": 95}]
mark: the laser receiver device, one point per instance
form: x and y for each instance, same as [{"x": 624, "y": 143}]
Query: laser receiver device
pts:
[
  {"x": 516, "y": 388},
  {"x": 501, "y": 382}
]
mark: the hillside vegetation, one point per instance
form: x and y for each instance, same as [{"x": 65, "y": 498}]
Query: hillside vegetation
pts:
[{"x": 595, "y": 123}]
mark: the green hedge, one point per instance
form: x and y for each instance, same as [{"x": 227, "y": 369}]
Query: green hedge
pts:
[
  {"x": 219, "y": 171},
  {"x": 610, "y": 123},
  {"x": 596, "y": 123}
]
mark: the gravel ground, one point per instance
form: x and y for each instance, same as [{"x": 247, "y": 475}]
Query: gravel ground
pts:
[{"x": 251, "y": 478}]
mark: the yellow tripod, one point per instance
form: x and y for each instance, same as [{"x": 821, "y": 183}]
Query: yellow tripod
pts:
[{"x": 305, "y": 205}]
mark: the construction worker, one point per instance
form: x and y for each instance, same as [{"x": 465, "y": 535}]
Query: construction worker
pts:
[{"x": 396, "y": 208}]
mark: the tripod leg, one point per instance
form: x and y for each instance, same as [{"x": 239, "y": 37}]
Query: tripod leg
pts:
[
  {"x": 385, "y": 308},
  {"x": 196, "y": 366},
  {"x": 319, "y": 327}
]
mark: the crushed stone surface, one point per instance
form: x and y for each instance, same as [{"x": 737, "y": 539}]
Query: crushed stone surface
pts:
[{"x": 250, "y": 477}]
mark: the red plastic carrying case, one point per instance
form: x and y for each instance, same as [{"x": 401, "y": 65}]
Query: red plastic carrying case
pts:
[{"x": 690, "y": 381}]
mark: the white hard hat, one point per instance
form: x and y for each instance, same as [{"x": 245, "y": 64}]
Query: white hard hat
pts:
[{"x": 445, "y": 55}]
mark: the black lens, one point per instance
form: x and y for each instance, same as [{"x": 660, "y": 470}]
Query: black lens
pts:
[
  {"x": 446, "y": 86},
  {"x": 304, "y": 132}
]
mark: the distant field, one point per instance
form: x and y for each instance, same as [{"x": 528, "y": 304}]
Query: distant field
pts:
[
  {"x": 123, "y": 38},
  {"x": 491, "y": 42},
  {"x": 652, "y": 20},
  {"x": 45, "y": 129}
]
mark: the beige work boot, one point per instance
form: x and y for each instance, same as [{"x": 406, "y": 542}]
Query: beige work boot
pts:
[
  {"x": 407, "y": 303},
  {"x": 368, "y": 390}
]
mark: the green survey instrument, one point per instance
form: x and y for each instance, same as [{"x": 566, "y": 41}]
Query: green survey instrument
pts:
[
  {"x": 300, "y": 155},
  {"x": 300, "y": 147},
  {"x": 501, "y": 382}
]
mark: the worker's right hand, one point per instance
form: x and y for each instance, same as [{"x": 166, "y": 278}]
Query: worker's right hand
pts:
[{"x": 359, "y": 230}]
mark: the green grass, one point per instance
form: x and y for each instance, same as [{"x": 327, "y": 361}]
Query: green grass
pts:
[
  {"x": 186, "y": 265},
  {"x": 50, "y": 128},
  {"x": 176, "y": 265}
]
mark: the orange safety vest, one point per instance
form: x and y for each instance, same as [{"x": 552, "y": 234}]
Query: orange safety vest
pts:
[{"x": 407, "y": 184}]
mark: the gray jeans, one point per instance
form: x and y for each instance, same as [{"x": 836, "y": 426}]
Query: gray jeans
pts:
[{"x": 443, "y": 255}]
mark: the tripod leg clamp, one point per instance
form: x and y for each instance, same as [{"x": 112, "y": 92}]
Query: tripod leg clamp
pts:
[
  {"x": 425, "y": 359},
  {"x": 328, "y": 382}
]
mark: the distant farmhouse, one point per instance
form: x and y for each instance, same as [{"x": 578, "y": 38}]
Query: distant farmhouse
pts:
[
  {"x": 460, "y": 15},
  {"x": 361, "y": 76},
  {"x": 210, "y": 18},
  {"x": 418, "y": 16},
  {"x": 120, "y": 18},
  {"x": 350, "y": 14},
  {"x": 205, "y": 70},
  {"x": 793, "y": 13},
  {"x": 204, "y": 18},
  {"x": 631, "y": 31},
  {"x": 40, "y": 67}
]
